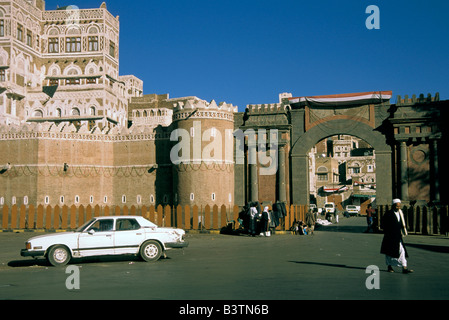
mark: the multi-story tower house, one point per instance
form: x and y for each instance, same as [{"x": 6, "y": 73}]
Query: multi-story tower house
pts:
[{"x": 62, "y": 66}]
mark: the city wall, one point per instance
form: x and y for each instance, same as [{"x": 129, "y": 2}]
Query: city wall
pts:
[{"x": 44, "y": 162}]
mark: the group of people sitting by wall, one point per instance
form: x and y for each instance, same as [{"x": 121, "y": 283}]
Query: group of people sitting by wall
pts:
[{"x": 255, "y": 221}]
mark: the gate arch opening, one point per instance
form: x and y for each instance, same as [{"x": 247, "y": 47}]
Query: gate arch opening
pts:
[
  {"x": 306, "y": 140},
  {"x": 343, "y": 172}
]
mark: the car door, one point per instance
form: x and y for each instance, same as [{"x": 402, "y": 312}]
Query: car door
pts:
[
  {"x": 128, "y": 236},
  {"x": 98, "y": 239}
]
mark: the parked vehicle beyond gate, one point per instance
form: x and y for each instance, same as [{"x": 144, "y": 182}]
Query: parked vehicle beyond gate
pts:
[{"x": 351, "y": 210}]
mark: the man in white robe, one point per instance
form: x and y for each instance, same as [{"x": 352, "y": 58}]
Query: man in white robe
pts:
[{"x": 393, "y": 225}]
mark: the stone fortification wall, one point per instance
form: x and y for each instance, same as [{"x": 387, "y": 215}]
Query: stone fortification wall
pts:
[{"x": 57, "y": 164}]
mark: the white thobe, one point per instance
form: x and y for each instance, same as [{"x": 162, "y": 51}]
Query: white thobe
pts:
[{"x": 401, "y": 261}]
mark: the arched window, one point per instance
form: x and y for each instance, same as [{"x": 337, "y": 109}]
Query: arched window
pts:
[
  {"x": 92, "y": 111},
  {"x": 72, "y": 72},
  {"x": 38, "y": 114},
  {"x": 322, "y": 174},
  {"x": 75, "y": 112},
  {"x": 93, "y": 30},
  {"x": 92, "y": 39}
]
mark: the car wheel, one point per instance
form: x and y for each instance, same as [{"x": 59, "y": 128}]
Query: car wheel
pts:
[
  {"x": 58, "y": 256},
  {"x": 151, "y": 251}
]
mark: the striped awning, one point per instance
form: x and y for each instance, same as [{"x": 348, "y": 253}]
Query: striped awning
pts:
[
  {"x": 335, "y": 189},
  {"x": 374, "y": 97}
]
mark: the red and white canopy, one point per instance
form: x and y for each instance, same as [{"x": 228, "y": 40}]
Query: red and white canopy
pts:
[
  {"x": 360, "y": 98},
  {"x": 335, "y": 189}
]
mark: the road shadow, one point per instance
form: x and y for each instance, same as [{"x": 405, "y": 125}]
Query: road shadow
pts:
[
  {"x": 429, "y": 247},
  {"x": 333, "y": 265},
  {"x": 341, "y": 228},
  {"x": 329, "y": 265},
  {"x": 42, "y": 262},
  {"x": 29, "y": 263}
]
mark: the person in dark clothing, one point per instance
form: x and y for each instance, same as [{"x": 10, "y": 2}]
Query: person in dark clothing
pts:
[
  {"x": 369, "y": 217},
  {"x": 310, "y": 221},
  {"x": 279, "y": 212},
  {"x": 253, "y": 214},
  {"x": 264, "y": 221},
  {"x": 392, "y": 246}
]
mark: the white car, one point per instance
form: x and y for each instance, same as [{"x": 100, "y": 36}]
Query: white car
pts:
[
  {"x": 107, "y": 235},
  {"x": 329, "y": 207},
  {"x": 352, "y": 210}
]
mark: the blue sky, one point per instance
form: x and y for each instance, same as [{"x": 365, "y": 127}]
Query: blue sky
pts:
[{"x": 247, "y": 51}]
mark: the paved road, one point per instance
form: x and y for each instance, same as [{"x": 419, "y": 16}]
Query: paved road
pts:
[{"x": 331, "y": 264}]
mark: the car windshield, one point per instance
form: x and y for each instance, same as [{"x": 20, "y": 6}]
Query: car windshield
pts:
[
  {"x": 80, "y": 229},
  {"x": 328, "y": 206},
  {"x": 351, "y": 207}
]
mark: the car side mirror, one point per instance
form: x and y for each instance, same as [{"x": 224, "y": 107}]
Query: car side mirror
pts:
[{"x": 91, "y": 231}]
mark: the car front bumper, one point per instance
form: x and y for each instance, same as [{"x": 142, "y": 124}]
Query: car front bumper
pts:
[
  {"x": 32, "y": 253},
  {"x": 176, "y": 245}
]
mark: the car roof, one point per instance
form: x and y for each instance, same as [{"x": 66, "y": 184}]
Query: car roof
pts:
[
  {"x": 142, "y": 220},
  {"x": 115, "y": 217}
]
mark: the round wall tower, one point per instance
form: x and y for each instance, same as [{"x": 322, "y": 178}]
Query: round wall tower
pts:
[{"x": 202, "y": 153}]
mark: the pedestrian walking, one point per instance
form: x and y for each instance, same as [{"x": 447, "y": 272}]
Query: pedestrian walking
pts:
[
  {"x": 369, "y": 217},
  {"x": 264, "y": 222},
  {"x": 252, "y": 220},
  {"x": 310, "y": 221},
  {"x": 393, "y": 225}
]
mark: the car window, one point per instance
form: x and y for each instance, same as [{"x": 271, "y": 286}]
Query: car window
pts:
[
  {"x": 102, "y": 225},
  {"x": 80, "y": 229},
  {"x": 127, "y": 224}
]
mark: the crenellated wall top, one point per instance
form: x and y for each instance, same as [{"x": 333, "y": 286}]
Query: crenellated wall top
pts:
[
  {"x": 66, "y": 130},
  {"x": 267, "y": 108},
  {"x": 417, "y": 100},
  {"x": 199, "y": 109}
]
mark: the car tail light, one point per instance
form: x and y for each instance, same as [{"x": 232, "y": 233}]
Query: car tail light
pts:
[{"x": 28, "y": 245}]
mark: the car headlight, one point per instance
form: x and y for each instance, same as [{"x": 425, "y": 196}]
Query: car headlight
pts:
[{"x": 28, "y": 245}]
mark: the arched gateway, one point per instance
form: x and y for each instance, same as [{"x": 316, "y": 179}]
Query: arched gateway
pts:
[{"x": 361, "y": 115}]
